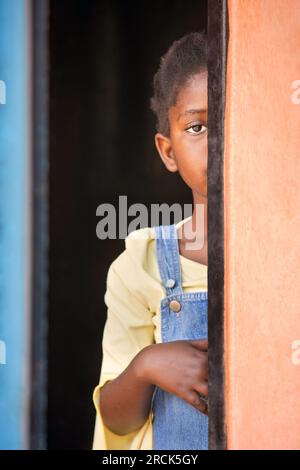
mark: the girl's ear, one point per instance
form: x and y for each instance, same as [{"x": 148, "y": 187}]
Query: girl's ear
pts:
[{"x": 164, "y": 148}]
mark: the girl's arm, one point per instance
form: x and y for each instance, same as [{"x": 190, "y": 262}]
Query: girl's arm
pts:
[
  {"x": 125, "y": 402},
  {"x": 123, "y": 399},
  {"x": 179, "y": 367}
]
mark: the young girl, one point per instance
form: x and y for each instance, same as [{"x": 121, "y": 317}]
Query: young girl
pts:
[{"x": 153, "y": 387}]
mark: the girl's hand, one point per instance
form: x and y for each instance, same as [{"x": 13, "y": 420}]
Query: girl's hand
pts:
[{"x": 179, "y": 367}]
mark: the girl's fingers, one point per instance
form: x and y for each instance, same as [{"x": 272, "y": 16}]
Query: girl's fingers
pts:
[
  {"x": 203, "y": 365},
  {"x": 202, "y": 388},
  {"x": 199, "y": 403},
  {"x": 201, "y": 344}
]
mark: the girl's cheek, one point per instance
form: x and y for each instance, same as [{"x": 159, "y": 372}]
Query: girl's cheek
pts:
[{"x": 193, "y": 173}]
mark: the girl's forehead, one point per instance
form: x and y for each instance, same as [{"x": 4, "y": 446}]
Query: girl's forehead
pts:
[
  {"x": 195, "y": 87},
  {"x": 192, "y": 96}
]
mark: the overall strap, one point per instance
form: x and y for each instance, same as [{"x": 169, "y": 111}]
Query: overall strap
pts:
[{"x": 167, "y": 251}]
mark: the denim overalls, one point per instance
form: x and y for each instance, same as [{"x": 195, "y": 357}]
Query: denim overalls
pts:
[{"x": 177, "y": 424}]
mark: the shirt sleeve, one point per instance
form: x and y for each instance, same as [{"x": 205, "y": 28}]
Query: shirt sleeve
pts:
[{"x": 128, "y": 329}]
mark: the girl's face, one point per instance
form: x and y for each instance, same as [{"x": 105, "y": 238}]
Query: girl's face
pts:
[{"x": 186, "y": 148}]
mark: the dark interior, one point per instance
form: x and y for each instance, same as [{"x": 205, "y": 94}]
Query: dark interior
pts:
[{"x": 103, "y": 55}]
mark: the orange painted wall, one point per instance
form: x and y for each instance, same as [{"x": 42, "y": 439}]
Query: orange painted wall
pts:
[{"x": 262, "y": 225}]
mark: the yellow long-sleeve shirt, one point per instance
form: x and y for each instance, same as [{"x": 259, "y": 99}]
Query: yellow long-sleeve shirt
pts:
[{"x": 133, "y": 295}]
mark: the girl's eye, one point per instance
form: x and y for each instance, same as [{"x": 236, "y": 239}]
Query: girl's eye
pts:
[{"x": 196, "y": 129}]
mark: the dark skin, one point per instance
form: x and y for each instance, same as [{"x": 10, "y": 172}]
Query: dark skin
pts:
[
  {"x": 125, "y": 401},
  {"x": 185, "y": 151}
]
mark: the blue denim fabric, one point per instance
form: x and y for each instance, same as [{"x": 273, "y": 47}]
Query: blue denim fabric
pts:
[{"x": 177, "y": 424}]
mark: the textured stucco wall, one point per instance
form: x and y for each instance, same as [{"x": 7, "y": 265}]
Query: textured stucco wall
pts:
[{"x": 262, "y": 225}]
